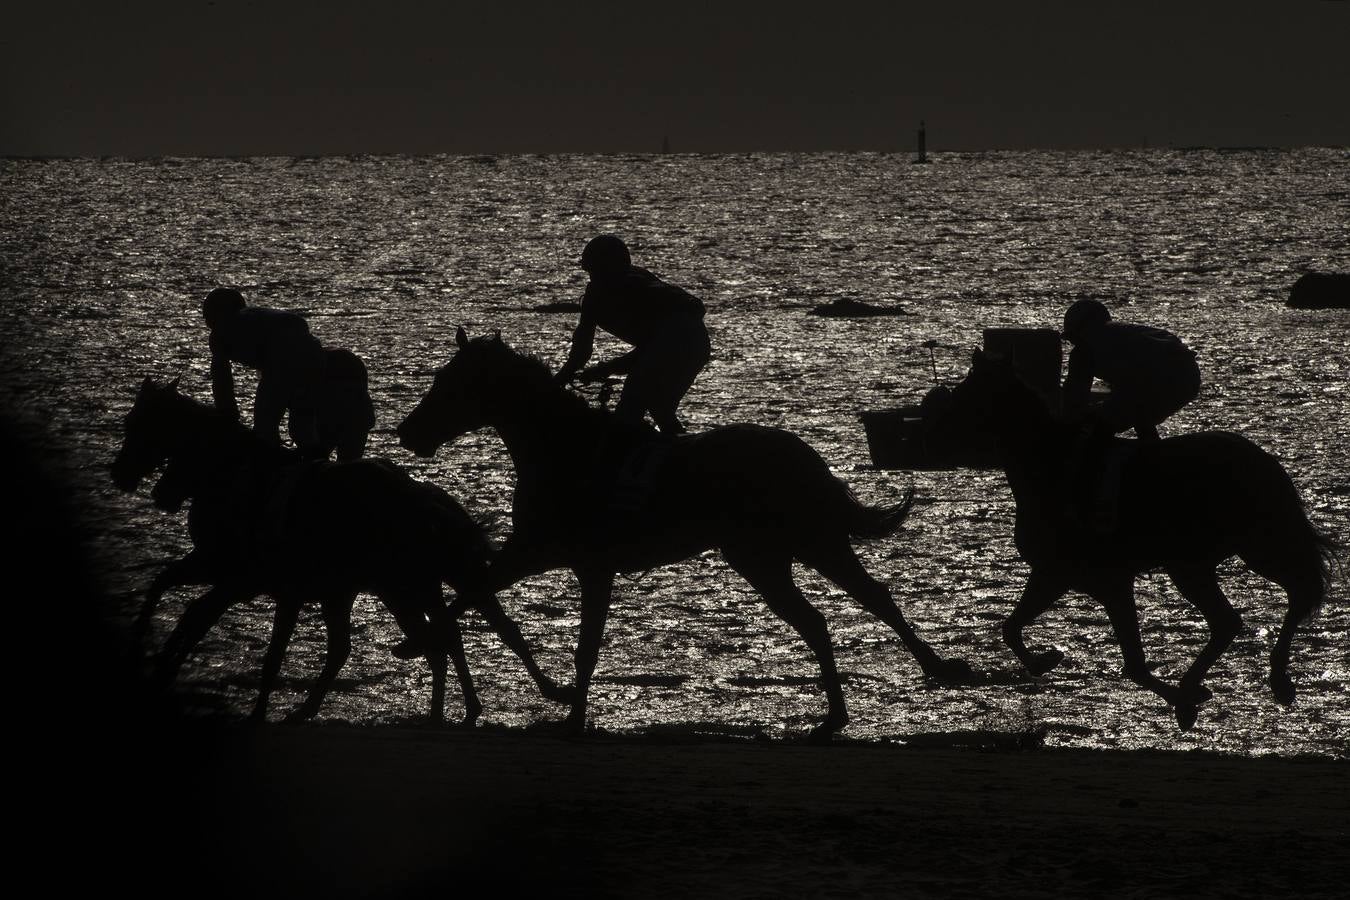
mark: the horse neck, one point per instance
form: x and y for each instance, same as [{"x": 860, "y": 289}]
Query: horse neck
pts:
[
  {"x": 219, "y": 448},
  {"x": 1032, "y": 444},
  {"x": 546, "y": 426}
]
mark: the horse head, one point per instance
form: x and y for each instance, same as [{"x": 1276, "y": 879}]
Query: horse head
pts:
[
  {"x": 148, "y": 433},
  {"x": 176, "y": 484},
  {"x": 466, "y": 394}
]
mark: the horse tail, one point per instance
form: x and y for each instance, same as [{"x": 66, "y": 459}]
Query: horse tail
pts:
[
  {"x": 1329, "y": 563},
  {"x": 877, "y": 521}
]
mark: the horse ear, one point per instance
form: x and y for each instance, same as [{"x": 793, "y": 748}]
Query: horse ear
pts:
[
  {"x": 148, "y": 383},
  {"x": 461, "y": 338},
  {"x": 497, "y": 335},
  {"x": 977, "y": 358}
]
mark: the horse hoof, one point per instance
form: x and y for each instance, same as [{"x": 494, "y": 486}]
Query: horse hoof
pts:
[
  {"x": 955, "y": 671},
  {"x": 1186, "y": 714},
  {"x": 821, "y": 734},
  {"x": 1283, "y": 689},
  {"x": 1044, "y": 662},
  {"x": 303, "y": 713},
  {"x": 406, "y": 650},
  {"x": 564, "y": 694},
  {"x": 1197, "y": 693}
]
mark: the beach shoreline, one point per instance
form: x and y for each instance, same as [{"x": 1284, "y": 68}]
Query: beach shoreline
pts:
[{"x": 336, "y": 810}]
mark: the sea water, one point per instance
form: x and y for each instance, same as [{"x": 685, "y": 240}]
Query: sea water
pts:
[{"x": 105, "y": 263}]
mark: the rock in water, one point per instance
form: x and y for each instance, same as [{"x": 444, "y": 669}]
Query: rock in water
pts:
[
  {"x": 847, "y": 307},
  {"x": 1321, "y": 290}
]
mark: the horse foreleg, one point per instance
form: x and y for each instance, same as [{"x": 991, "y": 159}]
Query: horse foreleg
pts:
[
  {"x": 337, "y": 619},
  {"x": 1201, "y": 587},
  {"x": 196, "y": 621},
  {"x": 1118, "y": 599},
  {"x": 191, "y": 569},
  {"x": 596, "y": 590},
  {"x": 283, "y": 625},
  {"x": 1040, "y": 593}
]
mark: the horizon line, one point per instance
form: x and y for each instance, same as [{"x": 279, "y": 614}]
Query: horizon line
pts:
[{"x": 1187, "y": 148}]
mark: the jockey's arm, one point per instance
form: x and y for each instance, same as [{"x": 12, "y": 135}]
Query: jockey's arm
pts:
[
  {"x": 583, "y": 342},
  {"x": 222, "y": 384}
]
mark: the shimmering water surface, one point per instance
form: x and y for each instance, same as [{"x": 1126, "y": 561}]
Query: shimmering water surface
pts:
[{"x": 106, "y": 261}]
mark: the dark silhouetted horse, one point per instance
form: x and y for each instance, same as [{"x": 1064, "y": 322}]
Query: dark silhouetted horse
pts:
[
  {"x": 1185, "y": 504},
  {"x": 264, "y": 522},
  {"x": 601, "y": 497}
]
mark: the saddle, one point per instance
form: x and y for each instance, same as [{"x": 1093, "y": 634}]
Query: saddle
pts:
[
  {"x": 276, "y": 499},
  {"x": 635, "y": 480}
]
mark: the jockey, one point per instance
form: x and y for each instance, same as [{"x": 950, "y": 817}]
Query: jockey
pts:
[
  {"x": 1152, "y": 374},
  {"x": 664, "y": 324},
  {"x": 289, "y": 360}
]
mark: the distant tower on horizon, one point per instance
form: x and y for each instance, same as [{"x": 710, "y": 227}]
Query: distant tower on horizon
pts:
[{"x": 923, "y": 143}]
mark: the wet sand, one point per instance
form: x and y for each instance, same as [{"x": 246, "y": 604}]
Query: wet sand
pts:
[{"x": 342, "y": 811}]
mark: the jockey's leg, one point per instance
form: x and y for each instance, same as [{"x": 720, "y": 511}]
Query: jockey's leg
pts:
[{"x": 633, "y": 400}]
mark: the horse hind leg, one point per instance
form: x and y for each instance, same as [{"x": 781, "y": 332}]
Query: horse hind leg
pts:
[
  {"x": 412, "y": 620},
  {"x": 1304, "y": 597},
  {"x": 283, "y": 626},
  {"x": 444, "y": 623},
  {"x": 771, "y": 575},
  {"x": 1118, "y": 599},
  {"x": 1302, "y": 576},
  {"x": 837, "y": 562},
  {"x": 1200, "y": 586},
  {"x": 337, "y": 618}
]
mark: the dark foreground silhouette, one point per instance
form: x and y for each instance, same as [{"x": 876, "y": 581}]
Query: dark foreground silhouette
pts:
[
  {"x": 1186, "y": 504},
  {"x": 264, "y": 522},
  {"x": 600, "y": 496}
]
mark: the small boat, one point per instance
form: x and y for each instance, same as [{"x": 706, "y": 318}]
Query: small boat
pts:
[{"x": 897, "y": 438}]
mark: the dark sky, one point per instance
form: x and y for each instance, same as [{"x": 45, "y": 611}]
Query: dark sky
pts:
[{"x": 198, "y": 77}]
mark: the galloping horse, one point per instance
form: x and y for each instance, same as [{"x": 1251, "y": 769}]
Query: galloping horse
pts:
[
  {"x": 760, "y": 495},
  {"x": 264, "y": 522},
  {"x": 1186, "y": 504}
]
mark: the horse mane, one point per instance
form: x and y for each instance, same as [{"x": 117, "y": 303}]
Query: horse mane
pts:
[
  {"x": 224, "y": 429},
  {"x": 536, "y": 376},
  {"x": 191, "y": 407}
]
